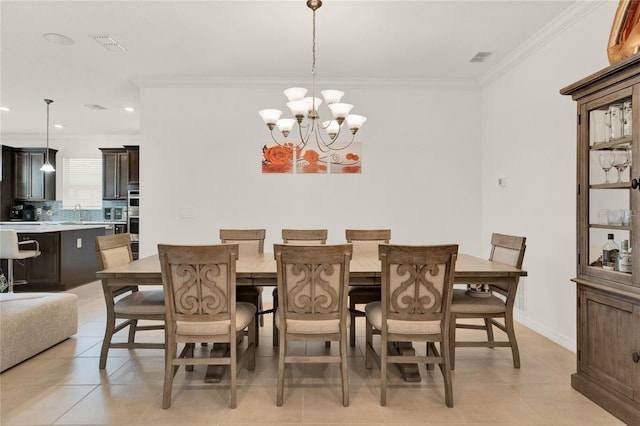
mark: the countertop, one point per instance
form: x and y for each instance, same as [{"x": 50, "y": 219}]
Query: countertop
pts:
[{"x": 42, "y": 227}]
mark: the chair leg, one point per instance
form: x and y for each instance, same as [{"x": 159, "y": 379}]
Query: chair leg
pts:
[
  {"x": 511, "y": 333},
  {"x": 384, "y": 356},
  {"x": 368, "y": 357},
  {"x": 446, "y": 371},
  {"x": 352, "y": 326},
  {"x": 233, "y": 373},
  {"x": 273, "y": 318},
  {"x": 344, "y": 370},
  {"x": 133, "y": 325},
  {"x": 189, "y": 351},
  {"x": 169, "y": 371},
  {"x": 489, "y": 326},
  {"x": 106, "y": 342},
  {"x": 452, "y": 342},
  {"x": 251, "y": 346},
  {"x": 281, "y": 366},
  {"x": 430, "y": 366}
]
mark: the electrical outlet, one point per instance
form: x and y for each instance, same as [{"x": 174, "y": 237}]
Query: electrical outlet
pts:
[{"x": 78, "y": 242}]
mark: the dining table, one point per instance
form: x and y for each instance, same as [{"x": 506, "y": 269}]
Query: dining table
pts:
[{"x": 260, "y": 270}]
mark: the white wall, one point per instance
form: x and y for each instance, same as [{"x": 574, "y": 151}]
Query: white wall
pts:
[
  {"x": 201, "y": 151},
  {"x": 529, "y": 137}
]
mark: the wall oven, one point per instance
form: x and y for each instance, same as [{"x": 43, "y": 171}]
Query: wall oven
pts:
[{"x": 133, "y": 220}]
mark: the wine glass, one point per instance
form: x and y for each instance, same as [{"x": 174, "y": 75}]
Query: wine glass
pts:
[
  {"x": 621, "y": 160},
  {"x": 606, "y": 162}
]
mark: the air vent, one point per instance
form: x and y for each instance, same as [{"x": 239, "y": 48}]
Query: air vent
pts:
[
  {"x": 480, "y": 57},
  {"x": 108, "y": 42},
  {"x": 95, "y": 107}
]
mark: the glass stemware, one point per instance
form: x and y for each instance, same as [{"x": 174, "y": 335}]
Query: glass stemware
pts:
[
  {"x": 621, "y": 160},
  {"x": 606, "y": 162}
]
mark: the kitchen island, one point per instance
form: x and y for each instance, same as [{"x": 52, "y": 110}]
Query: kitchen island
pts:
[{"x": 68, "y": 255}]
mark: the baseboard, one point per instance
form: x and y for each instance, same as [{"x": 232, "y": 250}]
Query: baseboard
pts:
[{"x": 549, "y": 333}]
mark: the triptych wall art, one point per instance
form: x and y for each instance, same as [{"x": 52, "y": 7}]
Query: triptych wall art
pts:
[{"x": 286, "y": 158}]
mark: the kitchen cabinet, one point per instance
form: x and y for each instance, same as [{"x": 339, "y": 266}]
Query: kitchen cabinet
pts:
[
  {"x": 67, "y": 259},
  {"x": 6, "y": 181},
  {"x": 608, "y": 201},
  {"x": 31, "y": 184},
  {"x": 115, "y": 173},
  {"x": 45, "y": 268},
  {"x": 133, "y": 157}
]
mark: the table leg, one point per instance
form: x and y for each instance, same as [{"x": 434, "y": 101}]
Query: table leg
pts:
[
  {"x": 410, "y": 372},
  {"x": 215, "y": 372}
]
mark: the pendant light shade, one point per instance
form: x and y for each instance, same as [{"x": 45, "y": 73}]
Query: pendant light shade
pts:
[{"x": 47, "y": 167}]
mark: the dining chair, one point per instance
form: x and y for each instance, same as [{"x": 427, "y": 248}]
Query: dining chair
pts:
[
  {"x": 417, "y": 283},
  {"x": 200, "y": 289},
  {"x": 299, "y": 237},
  {"x": 126, "y": 302},
  {"x": 365, "y": 243},
  {"x": 250, "y": 242},
  {"x": 10, "y": 249},
  {"x": 312, "y": 305},
  {"x": 506, "y": 249}
]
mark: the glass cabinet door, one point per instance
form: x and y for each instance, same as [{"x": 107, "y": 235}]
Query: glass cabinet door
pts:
[{"x": 606, "y": 248}]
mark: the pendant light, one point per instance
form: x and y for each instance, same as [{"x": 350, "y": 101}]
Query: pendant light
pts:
[{"x": 47, "y": 167}]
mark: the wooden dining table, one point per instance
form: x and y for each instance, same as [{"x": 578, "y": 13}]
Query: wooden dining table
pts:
[{"x": 260, "y": 270}]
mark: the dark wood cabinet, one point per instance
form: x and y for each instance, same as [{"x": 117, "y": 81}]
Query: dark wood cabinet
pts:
[
  {"x": 6, "y": 182},
  {"x": 133, "y": 155},
  {"x": 44, "y": 269},
  {"x": 67, "y": 260},
  {"x": 608, "y": 293},
  {"x": 115, "y": 173},
  {"x": 31, "y": 184}
]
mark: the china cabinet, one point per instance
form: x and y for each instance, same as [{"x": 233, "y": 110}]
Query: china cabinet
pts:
[{"x": 608, "y": 276}]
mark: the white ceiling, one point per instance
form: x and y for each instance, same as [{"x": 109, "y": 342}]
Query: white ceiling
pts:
[{"x": 247, "y": 40}]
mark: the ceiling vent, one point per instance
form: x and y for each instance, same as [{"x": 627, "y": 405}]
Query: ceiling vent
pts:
[
  {"x": 108, "y": 42},
  {"x": 480, "y": 57},
  {"x": 95, "y": 107}
]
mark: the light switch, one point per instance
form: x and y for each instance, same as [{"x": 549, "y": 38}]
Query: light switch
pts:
[
  {"x": 78, "y": 242},
  {"x": 502, "y": 181}
]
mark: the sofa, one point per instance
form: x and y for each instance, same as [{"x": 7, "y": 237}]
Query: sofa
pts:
[{"x": 33, "y": 322}]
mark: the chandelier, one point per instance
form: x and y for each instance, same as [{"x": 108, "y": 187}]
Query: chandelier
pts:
[{"x": 310, "y": 126}]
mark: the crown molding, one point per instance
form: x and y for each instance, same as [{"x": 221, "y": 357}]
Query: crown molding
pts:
[
  {"x": 8, "y": 138},
  {"x": 204, "y": 81},
  {"x": 553, "y": 29}
]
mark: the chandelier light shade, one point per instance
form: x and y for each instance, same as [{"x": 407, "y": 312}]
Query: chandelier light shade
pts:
[
  {"x": 307, "y": 127},
  {"x": 47, "y": 167}
]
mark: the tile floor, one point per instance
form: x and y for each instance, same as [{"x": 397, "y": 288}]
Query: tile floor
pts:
[{"x": 63, "y": 386}]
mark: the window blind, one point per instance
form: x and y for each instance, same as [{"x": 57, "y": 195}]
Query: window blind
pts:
[{"x": 82, "y": 183}]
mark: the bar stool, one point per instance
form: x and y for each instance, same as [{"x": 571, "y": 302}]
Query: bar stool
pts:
[{"x": 10, "y": 250}]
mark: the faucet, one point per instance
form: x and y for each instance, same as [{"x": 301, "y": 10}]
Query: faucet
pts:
[{"x": 78, "y": 208}]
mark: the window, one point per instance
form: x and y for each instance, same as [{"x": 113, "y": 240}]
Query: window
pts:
[{"x": 82, "y": 183}]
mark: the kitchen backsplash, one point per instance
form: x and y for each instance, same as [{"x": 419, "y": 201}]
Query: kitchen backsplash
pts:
[{"x": 52, "y": 211}]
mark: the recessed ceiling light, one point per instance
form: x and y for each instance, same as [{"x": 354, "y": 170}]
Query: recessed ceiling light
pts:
[
  {"x": 58, "y": 126},
  {"x": 5, "y": 108},
  {"x": 58, "y": 39},
  {"x": 129, "y": 109}
]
